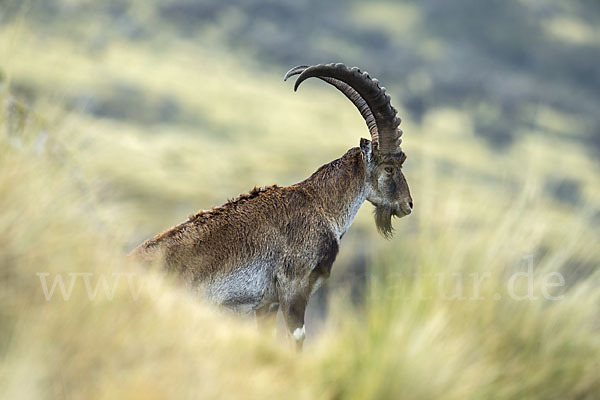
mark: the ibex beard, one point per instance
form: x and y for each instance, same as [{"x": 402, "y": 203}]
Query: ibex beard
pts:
[
  {"x": 273, "y": 248},
  {"x": 384, "y": 209}
]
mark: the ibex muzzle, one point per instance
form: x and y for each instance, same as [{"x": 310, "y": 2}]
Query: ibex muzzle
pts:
[{"x": 275, "y": 246}]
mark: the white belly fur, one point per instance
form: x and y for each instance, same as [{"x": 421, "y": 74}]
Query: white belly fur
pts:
[{"x": 245, "y": 289}]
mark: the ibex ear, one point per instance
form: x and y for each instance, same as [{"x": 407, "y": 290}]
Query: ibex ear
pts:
[{"x": 366, "y": 148}]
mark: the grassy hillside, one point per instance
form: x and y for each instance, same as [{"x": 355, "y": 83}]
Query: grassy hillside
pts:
[{"x": 103, "y": 146}]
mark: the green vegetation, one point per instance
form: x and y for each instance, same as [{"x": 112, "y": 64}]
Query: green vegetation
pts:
[{"x": 118, "y": 119}]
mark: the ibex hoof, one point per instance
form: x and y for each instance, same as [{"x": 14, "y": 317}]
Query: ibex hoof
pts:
[{"x": 299, "y": 334}]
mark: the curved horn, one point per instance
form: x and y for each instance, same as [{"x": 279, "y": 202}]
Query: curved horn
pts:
[
  {"x": 366, "y": 94},
  {"x": 350, "y": 93}
]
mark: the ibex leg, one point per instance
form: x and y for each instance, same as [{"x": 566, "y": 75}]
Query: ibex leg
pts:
[{"x": 293, "y": 307}]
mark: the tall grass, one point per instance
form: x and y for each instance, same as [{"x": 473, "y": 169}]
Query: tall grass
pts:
[{"x": 445, "y": 314}]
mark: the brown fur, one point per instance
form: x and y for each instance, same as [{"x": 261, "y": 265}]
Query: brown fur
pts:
[
  {"x": 275, "y": 245},
  {"x": 273, "y": 217}
]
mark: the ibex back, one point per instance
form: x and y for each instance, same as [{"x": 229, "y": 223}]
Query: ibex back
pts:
[{"x": 275, "y": 246}]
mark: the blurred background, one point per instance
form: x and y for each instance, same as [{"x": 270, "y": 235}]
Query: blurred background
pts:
[{"x": 121, "y": 118}]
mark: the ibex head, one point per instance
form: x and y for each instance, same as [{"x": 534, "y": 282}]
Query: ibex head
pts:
[{"x": 386, "y": 185}]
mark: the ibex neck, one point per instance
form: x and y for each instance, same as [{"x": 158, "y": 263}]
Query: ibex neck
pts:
[{"x": 340, "y": 187}]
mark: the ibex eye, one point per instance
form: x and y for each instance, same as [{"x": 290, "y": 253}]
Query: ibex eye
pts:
[{"x": 388, "y": 170}]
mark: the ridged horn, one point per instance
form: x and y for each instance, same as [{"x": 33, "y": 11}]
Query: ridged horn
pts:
[{"x": 367, "y": 96}]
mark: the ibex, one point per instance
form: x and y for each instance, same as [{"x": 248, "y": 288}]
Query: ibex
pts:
[{"x": 275, "y": 246}]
